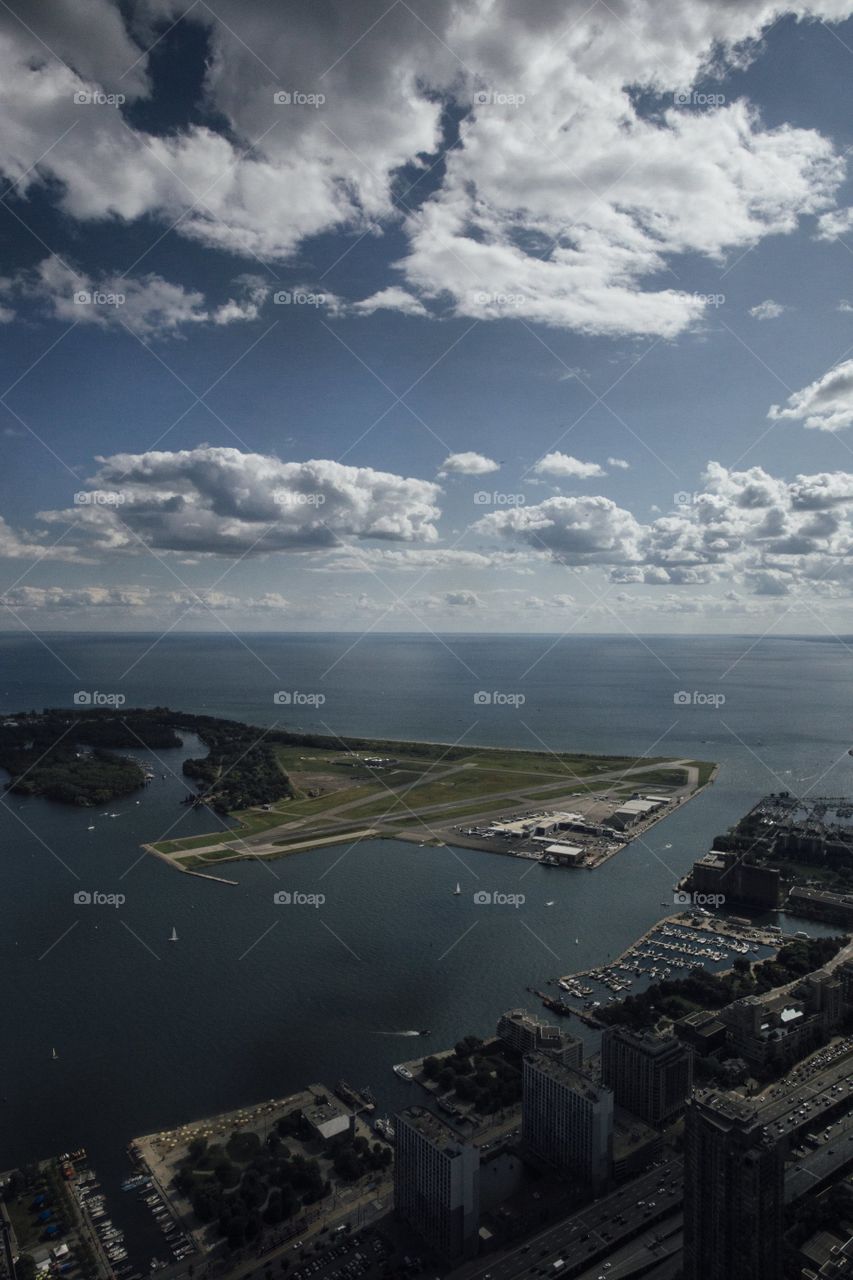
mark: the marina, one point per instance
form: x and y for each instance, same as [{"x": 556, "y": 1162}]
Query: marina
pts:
[
  {"x": 670, "y": 949},
  {"x": 107, "y": 1238}
]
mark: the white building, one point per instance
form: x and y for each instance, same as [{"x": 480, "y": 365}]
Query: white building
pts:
[
  {"x": 567, "y": 853},
  {"x": 326, "y": 1117},
  {"x": 634, "y": 811}
]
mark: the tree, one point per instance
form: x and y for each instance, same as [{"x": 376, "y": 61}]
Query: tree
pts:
[
  {"x": 25, "y": 1267},
  {"x": 226, "y": 1174}
]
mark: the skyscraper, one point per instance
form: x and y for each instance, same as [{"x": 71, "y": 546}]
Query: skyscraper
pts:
[
  {"x": 436, "y": 1183},
  {"x": 650, "y": 1075},
  {"x": 567, "y": 1120},
  {"x": 733, "y": 1193}
]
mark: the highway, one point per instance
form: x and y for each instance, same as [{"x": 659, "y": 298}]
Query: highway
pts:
[
  {"x": 593, "y": 1233},
  {"x": 809, "y": 1093},
  {"x": 827, "y": 1160},
  {"x": 663, "y": 1243}
]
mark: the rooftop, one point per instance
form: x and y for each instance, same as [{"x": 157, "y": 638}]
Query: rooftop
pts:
[
  {"x": 438, "y": 1131},
  {"x": 567, "y": 1076},
  {"x": 650, "y": 1042}
]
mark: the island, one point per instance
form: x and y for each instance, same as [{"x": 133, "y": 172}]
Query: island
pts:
[
  {"x": 288, "y": 791},
  {"x": 71, "y": 757}
]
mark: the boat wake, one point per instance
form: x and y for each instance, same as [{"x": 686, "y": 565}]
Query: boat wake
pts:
[{"x": 402, "y": 1033}]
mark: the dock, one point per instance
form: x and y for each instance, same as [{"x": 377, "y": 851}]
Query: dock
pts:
[{"x": 676, "y": 944}]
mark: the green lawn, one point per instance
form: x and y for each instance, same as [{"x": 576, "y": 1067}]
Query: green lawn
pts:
[{"x": 472, "y": 780}]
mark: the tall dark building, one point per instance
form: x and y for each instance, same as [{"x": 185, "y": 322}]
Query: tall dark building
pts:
[
  {"x": 733, "y": 1193},
  {"x": 567, "y": 1119},
  {"x": 650, "y": 1075},
  {"x": 437, "y": 1183}
]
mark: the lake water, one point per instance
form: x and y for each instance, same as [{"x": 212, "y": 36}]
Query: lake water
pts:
[{"x": 256, "y": 1000}]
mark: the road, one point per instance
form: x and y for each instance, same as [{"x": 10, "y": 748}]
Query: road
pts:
[{"x": 594, "y": 1232}]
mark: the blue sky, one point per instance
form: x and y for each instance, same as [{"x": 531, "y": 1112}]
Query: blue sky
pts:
[{"x": 448, "y": 316}]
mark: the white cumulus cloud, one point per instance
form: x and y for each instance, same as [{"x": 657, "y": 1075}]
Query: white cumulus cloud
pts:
[
  {"x": 825, "y": 404},
  {"x": 561, "y": 202},
  {"x": 767, "y": 310},
  {"x": 564, "y": 465},
  {"x": 223, "y": 501},
  {"x": 468, "y": 464}
]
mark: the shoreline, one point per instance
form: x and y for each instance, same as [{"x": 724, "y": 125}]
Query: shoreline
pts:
[{"x": 444, "y": 831}]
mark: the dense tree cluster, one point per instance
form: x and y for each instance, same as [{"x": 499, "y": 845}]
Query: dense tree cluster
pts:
[
  {"x": 486, "y": 1080},
  {"x": 42, "y": 752},
  {"x": 65, "y": 775},
  {"x": 247, "y": 1186},
  {"x": 69, "y": 755},
  {"x": 354, "y": 1158},
  {"x": 241, "y": 768}
]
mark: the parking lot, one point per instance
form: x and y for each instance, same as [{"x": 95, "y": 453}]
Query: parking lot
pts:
[{"x": 370, "y": 1253}]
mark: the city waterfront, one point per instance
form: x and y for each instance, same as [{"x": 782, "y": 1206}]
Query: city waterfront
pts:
[{"x": 256, "y": 999}]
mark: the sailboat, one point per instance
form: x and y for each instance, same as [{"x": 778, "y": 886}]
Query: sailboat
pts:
[
  {"x": 174, "y": 935},
  {"x": 457, "y": 890},
  {"x": 54, "y": 1054}
]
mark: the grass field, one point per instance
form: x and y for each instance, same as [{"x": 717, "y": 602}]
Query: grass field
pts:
[{"x": 333, "y": 787}]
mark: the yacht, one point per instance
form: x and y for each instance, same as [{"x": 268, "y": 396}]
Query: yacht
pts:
[
  {"x": 384, "y": 1127},
  {"x": 403, "y": 1072}
]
